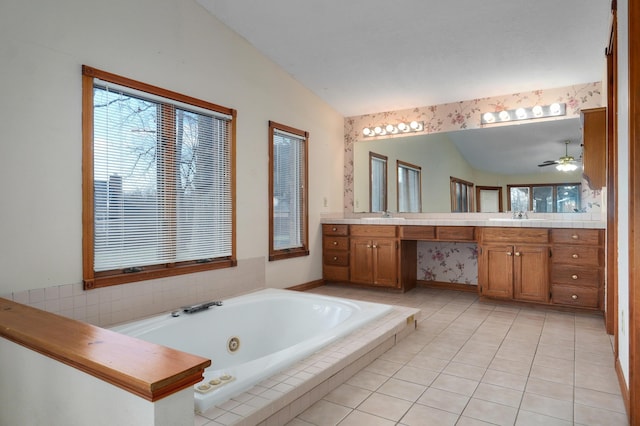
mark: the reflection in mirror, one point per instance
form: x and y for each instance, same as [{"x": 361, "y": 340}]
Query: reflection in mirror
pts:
[
  {"x": 562, "y": 198},
  {"x": 489, "y": 199},
  {"x": 378, "y": 182},
  {"x": 409, "y": 187},
  {"x": 493, "y": 157},
  {"x": 461, "y": 195}
]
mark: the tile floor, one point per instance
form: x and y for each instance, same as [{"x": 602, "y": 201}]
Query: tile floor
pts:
[{"x": 479, "y": 363}]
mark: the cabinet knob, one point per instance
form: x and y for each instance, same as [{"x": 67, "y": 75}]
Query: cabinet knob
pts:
[
  {"x": 517, "y": 253},
  {"x": 509, "y": 253},
  {"x": 335, "y": 258},
  {"x": 575, "y": 255},
  {"x": 334, "y": 229},
  {"x": 574, "y": 296},
  {"x": 335, "y": 243},
  {"x": 574, "y": 277},
  {"x": 374, "y": 246},
  {"x": 368, "y": 245},
  {"x": 575, "y": 237}
]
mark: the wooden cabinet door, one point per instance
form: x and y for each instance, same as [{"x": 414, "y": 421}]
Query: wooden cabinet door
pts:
[
  {"x": 495, "y": 271},
  {"x": 361, "y": 261},
  {"x": 531, "y": 273},
  {"x": 385, "y": 263}
]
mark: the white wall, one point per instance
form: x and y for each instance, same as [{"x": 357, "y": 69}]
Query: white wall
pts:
[
  {"x": 623, "y": 187},
  {"x": 176, "y": 45}
]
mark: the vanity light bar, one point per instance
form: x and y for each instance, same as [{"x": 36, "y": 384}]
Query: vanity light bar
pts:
[
  {"x": 394, "y": 129},
  {"x": 538, "y": 111}
]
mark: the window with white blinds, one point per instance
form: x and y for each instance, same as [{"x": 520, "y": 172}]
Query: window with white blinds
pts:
[
  {"x": 162, "y": 192},
  {"x": 409, "y": 188},
  {"x": 288, "y": 192},
  {"x": 377, "y": 182}
]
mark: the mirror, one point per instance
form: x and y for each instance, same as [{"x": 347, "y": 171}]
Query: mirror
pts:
[{"x": 488, "y": 157}]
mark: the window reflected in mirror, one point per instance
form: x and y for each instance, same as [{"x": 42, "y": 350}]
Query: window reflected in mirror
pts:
[
  {"x": 461, "y": 195},
  {"x": 489, "y": 199},
  {"x": 377, "y": 182},
  {"x": 545, "y": 198},
  {"x": 409, "y": 188}
]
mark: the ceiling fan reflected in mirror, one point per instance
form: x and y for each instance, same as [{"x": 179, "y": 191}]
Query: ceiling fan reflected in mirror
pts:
[{"x": 566, "y": 163}]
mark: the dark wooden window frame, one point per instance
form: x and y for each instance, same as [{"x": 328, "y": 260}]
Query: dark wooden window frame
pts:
[
  {"x": 400, "y": 163},
  {"x": 94, "y": 279},
  {"x": 384, "y": 158},
  {"x": 537, "y": 185},
  {"x": 453, "y": 181}
]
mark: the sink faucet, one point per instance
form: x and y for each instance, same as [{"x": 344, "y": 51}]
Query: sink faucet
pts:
[
  {"x": 386, "y": 213},
  {"x": 520, "y": 215}
]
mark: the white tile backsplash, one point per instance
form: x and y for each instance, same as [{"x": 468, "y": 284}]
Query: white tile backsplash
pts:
[{"x": 107, "y": 306}]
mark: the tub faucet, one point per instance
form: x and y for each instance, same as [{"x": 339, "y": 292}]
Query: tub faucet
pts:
[
  {"x": 520, "y": 215},
  {"x": 191, "y": 309}
]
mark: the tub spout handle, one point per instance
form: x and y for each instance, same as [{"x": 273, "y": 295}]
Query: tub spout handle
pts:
[{"x": 200, "y": 306}]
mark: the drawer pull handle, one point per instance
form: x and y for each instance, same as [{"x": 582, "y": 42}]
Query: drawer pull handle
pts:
[
  {"x": 335, "y": 258},
  {"x": 574, "y": 296},
  {"x": 575, "y": 255},
  {"x": 574, "y": 277},
  {"x": 517, "y": 253},
  {"x": 575, "y": 236},
  {"x": 509, "y": 253},
  {"x": 335, "y": 243}
]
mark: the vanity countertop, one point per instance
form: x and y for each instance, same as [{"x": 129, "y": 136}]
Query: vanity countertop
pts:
[{"x": 498, "y": 220}]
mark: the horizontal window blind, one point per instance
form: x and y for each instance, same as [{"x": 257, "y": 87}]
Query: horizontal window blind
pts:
[
  {"x": 162, "y": 187},
  {"x": 288, "y": 190}
]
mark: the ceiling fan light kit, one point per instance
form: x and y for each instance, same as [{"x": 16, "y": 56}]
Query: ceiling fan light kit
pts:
[
  {"x": 538, "y": 111},
  {"x": 565, "y": 163}
]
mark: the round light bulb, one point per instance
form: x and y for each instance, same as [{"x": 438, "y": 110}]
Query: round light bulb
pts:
[
  {"x": 390, "y": 128},
  {"x": 378, "y": 130},
  {"x": 537, "y": 111},
  {"x": 403, "y": 127},
  {"x": 414, "y": 125},
  {"x": 521, "y": 113},
  {"x": 367, "y": 131},
  {"x": 554, "y": 108},
  {"x": 489, "y": 117},
  {"x": 504, "y": 116}
]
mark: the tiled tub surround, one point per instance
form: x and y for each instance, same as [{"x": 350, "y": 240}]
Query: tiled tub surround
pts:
[
  {"x": 112, "y": 305},
  {"x": 280, "y": 398}
]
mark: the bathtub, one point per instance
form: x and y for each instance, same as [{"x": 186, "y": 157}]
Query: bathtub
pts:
[{"x": 254, "y": 336}]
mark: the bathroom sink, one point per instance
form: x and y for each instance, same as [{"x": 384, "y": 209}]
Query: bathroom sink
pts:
[
  {"x": 382, "y": 218},
  {"x": 510, "y": 219}
]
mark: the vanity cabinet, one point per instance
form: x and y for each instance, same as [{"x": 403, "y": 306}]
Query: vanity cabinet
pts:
[
  {"x": 374, "y": 252},
  {"x": 577, "y": 267},
  {"x": 594, "y": 146},
  {"x": 335, "y": 252},
  {"x": 514, "y": 264}
]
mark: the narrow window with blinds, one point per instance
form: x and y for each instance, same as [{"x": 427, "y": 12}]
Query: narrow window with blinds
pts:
[
  {"x": 377, "y": 182},
  {"x": 288, "y": 205},
  {"x": 409, "y": 188},
  {"x": 157, "y": 189},
  {"x": 461, "y": 195}
]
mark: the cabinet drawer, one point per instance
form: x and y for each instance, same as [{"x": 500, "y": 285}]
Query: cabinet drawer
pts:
[
  {"x": 336, "y": 273},
  {"x": 455, "y": 233},
  {"x": 329, "y": 229},
  {"x": 336, "y": 258},
  {"x": 593, "y": 237},
  {"x": 586, "y": 297},
  {"x": 515, "y": 235},
  {"x": 572, "y": 275},
  {"x": 373, "y": 230},
  {"x": 417, "y": 232},
  {"x": 577, "y": 255},
  {"x": 335, "y": 243}
]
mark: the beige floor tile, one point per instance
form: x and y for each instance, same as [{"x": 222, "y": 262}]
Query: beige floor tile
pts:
[
  {"x": 591, "y": 416},
  {"x": 468, "y": 421},
  {"x": 367, "y": 380},
  {"x": 359, "y": 418},
  {"x": 498, "y": 394},
  {"x": 324, "y": 413},
  {"x": 598, "y": 399},
  {"x": 466, "y": 371},
  {"x": 389, "y": 407},
  {"x": 490, "y": 412},
  {"x": 420, "y": 376},
  {"x": 383, "y": 367},
  {"x": 548, "y": 406},
  {"x": 551, "y": 389},
  {"x": 426, "y": 362},
  {"x": 552, "y": 374},
  {"x": 518, "y": 367},
  {"x": 348, "y": 395},
  {"x": 455, "y": 384},
  {"x": 506, "y": 380},
  {"x": 297, "y": 422},
  {"x": 527, "y": 418},
  {"x": 602, "y": 383},
  {"x": 402, "y": 389},
  {"x": 444, "y": 400},
  {"x": 421, "y": 415}
]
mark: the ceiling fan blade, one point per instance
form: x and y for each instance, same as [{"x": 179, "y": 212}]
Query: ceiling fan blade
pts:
[{"x": 546, "y": 164}]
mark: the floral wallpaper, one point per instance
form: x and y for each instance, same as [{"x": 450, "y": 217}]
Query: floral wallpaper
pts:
[
  {"x": 462, "y": 115},
  {"x": 448, "y": 262}
]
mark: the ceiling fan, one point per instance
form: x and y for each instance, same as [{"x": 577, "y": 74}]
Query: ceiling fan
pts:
[{"x": 566, "y": 163}]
